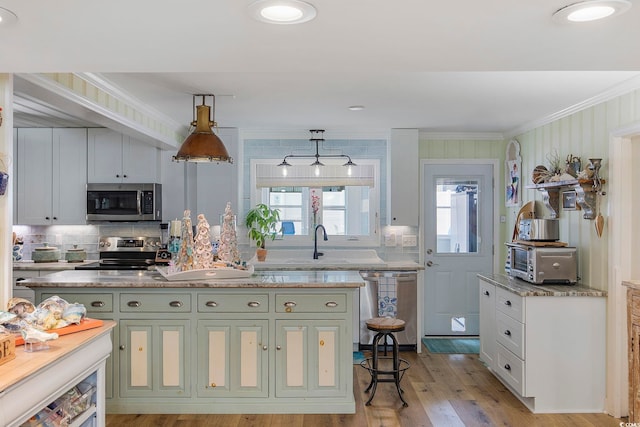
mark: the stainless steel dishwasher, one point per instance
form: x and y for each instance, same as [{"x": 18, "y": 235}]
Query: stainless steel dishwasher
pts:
[{"x": 406, "y": 283}]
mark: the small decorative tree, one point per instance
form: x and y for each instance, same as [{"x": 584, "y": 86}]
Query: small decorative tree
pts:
[
  {"x": 228, "y": 249},
  {"x": 261, "y": 223}
]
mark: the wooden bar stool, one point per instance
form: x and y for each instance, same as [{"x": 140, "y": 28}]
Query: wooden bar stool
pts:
[{"x": 385, "y": 327}]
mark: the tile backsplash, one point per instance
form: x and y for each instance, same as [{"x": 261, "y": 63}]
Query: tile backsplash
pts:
[{"x": 65, "y": 237}]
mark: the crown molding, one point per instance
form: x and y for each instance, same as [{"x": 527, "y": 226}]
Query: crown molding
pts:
[{"x": 614, "y": 92}]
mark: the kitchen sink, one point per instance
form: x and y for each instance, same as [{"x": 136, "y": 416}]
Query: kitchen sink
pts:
[{"x": 331, "y": 257}]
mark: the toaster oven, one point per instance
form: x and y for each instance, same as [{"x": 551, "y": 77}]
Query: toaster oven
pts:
[{"x": 543, "y": 264}]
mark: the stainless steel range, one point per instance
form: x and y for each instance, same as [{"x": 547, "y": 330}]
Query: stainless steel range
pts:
[{"x": 125, "y": 253}]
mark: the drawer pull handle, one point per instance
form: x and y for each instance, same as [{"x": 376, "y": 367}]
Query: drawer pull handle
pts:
[
  {"x": 331, "y": 304},
  {"x": 211, "y": 304},
  {"x": 253, "y": 304},
  {"x": 134, "y": 304},
  {"x": 507, "y": 303},
  {"x": 97, "y": 304},
  {"x": 507, "y": 333},
  {"x": 290, "y": 304},
  {"x": 175, "y": 304},
  {"x": 507, "y": 367},
  {"x": 486, "y": 293}
]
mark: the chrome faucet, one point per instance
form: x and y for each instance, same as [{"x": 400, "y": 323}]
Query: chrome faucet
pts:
[{"x": 316, "y": 254}]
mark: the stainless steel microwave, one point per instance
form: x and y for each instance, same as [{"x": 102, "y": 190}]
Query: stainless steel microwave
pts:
[
  {"x": 124, "y": 202},
  {"x": 543, "y": 264}
]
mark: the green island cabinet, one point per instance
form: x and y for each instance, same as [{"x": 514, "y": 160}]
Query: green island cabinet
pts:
[{"x": 224, "y": 350}]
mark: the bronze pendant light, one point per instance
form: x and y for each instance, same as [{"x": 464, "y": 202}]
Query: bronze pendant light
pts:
[{"x": 202, "y": 145}]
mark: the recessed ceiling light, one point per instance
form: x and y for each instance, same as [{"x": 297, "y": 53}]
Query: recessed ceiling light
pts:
[
  {"x": 7, "y": 17},
  {"x": 282, "y": 11},
  {"x": 356, "y": 107},
  {"x": 591, "y": 10}
]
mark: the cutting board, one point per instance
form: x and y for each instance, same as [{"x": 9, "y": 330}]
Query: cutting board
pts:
[
  {"x": 542, "y": 244},
  {"x": 86, "y": 323}
]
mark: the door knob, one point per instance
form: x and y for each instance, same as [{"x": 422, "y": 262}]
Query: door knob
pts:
[{"x": 431, "y": 263}]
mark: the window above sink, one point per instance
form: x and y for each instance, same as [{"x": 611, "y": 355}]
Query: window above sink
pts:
[{"x": 347, "y": 205}]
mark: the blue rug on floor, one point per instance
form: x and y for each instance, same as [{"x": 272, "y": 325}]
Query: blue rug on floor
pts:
[
  {"x": 452, "y": 345},
  {"x": 357, "y": 357}
]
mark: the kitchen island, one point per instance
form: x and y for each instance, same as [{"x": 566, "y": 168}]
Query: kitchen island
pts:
[{"x": 275, "y": 342}]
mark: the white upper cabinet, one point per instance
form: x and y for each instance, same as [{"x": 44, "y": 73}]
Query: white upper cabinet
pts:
[
  {"x": 117, "y": 158},
  {"x": 403, "y": 197},
  {"x": 52, "y": 176}
]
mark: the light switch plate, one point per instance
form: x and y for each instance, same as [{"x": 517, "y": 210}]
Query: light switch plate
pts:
[{"x": 409, "y": 240}]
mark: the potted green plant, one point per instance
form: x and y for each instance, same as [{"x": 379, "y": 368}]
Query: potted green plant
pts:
[{"x": 261, "y": 223}]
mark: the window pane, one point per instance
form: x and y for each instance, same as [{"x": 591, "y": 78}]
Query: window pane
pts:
[
  {"x": 457, "y": 216},
  {"x": 343, "y": 210}
]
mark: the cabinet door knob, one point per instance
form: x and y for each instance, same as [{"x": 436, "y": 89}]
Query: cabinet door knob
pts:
[
  {"x": 55, "y": 218},
  {"x": 486, "y": 293},
  {"x": 47, "y": 218},
  {"x": 278, "y": 347},
  {"x": 175, "y": 304},
  {"x": 507, "y": 333},
  {"x": 122, "y": 347},
  {"x": 290, "y": 304},
  {"x": 97, "y": 304},
  {"x": 508, "y": 303},
  {"x": 124, "y": 176},
  {"x": 264, "y": 347},
  {"x": 331, "y": 304},
  {"x": 134, "y": 304},
  {"x": 253, "y": 304},
  {"x": 211, "y": 304},
  {"x": 507, "y": 367},
  {"x": 117, "y": 175}
]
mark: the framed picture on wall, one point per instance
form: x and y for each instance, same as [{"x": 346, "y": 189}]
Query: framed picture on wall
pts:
[
  {"x": 513, "y": 175},
  {"x": 569, "y": 202}
]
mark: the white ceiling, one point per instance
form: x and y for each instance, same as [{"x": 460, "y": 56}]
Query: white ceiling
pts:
[{"x": 447, "y": 66}]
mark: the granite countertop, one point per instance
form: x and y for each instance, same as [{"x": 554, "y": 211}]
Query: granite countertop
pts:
[
  {"x": 258, "y": 266},
  {"x": 634, "y": 284},
  {"x": 48, "y": 266},
  {"x": 153, "y": 279},
  {"x": 343, "y": 266},
  {"x": 525, "y": 289}
]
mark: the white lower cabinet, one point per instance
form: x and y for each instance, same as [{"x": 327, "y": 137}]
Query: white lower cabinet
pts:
[
  {"x": 549, "y": 350},
  {"x": 487, "y": 301}
]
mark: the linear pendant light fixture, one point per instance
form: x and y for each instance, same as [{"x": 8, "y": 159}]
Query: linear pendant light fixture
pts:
[
  {"x": 202, "y": 145},
  {"x": 591, "y": 10},
  {"x": 316, "y": 137}
]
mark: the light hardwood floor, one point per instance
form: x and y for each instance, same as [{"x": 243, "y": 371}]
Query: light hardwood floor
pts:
[{"x": 442, "y": 390}]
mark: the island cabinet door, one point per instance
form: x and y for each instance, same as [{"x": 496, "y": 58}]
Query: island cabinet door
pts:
[
  {"x": 154, "y": 358},
  {"x": 310, "y": 358},
  {"x": 233, "y": 358}
]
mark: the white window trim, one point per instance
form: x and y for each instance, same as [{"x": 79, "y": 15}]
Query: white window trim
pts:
[{"x": 335, "y": 241}]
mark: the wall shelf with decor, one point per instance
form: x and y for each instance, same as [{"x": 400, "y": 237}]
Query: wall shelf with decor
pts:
[{"x": 586, "y": 195}]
